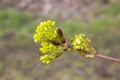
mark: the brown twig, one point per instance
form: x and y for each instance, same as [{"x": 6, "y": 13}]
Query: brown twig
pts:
[{"x": 108, "y": 58}]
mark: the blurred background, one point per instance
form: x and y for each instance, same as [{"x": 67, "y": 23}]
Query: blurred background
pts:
[{"x": 19, "y": 55}]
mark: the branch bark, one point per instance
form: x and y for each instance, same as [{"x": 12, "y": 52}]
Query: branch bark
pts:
[{"x": 108, "y": 58}]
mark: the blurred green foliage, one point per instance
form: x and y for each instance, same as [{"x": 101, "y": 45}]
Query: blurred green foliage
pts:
[{"x": 22, "y": 22}]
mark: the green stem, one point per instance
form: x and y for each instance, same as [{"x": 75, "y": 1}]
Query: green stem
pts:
[{"x": 108, "y": 58}]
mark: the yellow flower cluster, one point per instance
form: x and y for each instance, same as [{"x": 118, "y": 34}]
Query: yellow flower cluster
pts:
[
  {"x": 82, "y": 44},
  {"x": 48, "y": 47},
  {"x": 46, "y": 59},
  {"x": 45, "y": 31},
  {"x": 47, "y": 34}
]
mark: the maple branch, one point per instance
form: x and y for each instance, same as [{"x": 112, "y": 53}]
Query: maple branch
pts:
[{"x": 108, "y": 58}]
